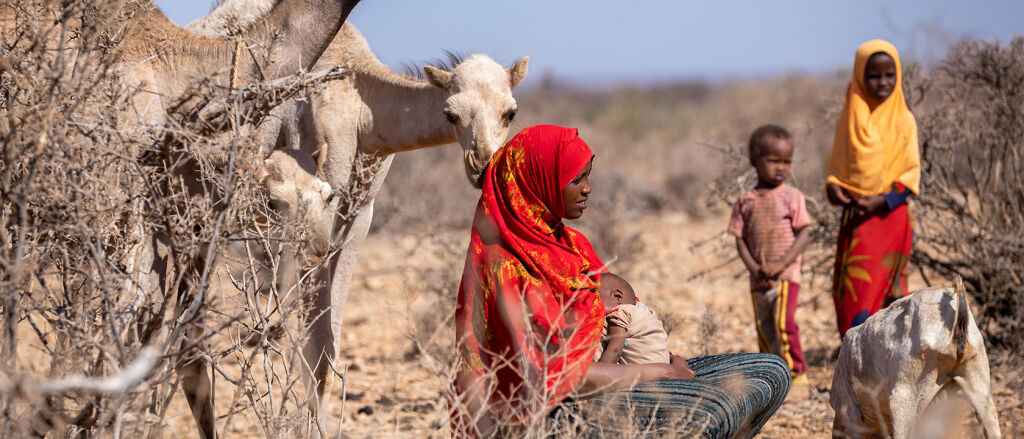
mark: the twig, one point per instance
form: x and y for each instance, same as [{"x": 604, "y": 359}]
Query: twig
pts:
[{"x": 125, "y": 381}]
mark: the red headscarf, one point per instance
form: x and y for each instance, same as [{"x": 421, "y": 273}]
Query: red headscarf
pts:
[{"x": 528, "y": 317}]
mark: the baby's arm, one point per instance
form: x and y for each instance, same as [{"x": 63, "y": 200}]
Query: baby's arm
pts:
[{"x": 616, "y": 341}]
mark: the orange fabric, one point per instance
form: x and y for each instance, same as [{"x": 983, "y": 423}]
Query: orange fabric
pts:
[
  {"x": 528, "y": 318},
  {"x": 875, "y": 143}
]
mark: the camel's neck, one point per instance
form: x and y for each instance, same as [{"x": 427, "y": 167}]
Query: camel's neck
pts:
[
  {"x": 406, "y": 114},
  {"x": 303, "y": 29}
]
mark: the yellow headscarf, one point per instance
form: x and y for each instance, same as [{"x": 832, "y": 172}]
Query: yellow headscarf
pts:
[{"x": 875, "y": 143}]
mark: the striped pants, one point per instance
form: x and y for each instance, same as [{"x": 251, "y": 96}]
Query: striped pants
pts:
[
  {"x": 732, "y": 396},
  {"x": 777, "y": 331}
]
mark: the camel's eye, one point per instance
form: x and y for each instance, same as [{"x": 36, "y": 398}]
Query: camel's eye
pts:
[
  {"x": 510, "y": 115},
  {"x": 452, "y": 117}
]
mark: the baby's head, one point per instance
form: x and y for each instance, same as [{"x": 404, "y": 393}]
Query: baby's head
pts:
[
  {"x": 771, "y": 153},
  {"x": 615, "y": 291}
]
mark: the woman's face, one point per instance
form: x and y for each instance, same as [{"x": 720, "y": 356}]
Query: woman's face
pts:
[
  {"x": 575, "y": 194},
  {"x": 880, "y": 76}
]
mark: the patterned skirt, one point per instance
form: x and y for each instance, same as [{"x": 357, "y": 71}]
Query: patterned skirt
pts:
[
  {"x": 871, "y": 264},
  {"x": 732, "y": 396}
]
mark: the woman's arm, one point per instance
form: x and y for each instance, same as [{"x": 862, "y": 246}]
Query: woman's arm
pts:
[
  {"x": 616, "y": 341},
  {"x": 603, "y": 377}
]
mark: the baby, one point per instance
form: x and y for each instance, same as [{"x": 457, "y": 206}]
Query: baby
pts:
[{"x": 633, "y": 333}]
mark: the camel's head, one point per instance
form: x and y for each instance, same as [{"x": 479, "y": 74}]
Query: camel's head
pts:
[{"x": 480, "y": 106}]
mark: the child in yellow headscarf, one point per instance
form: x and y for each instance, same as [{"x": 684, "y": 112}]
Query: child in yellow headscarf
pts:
[{"x": 874, "y": 167}]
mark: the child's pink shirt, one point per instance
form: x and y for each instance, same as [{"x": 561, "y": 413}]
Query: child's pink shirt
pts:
[{"x": 768, "y": 222}]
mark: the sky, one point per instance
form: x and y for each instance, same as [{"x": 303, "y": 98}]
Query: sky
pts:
[{"x": 601, "y": 42}]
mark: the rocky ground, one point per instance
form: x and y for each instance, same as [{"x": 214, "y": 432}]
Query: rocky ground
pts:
[{"x": 398, "y": 337}]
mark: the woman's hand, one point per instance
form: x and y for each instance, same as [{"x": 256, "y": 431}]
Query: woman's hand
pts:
[
  {"x": 680, "y": 361},
  {"x": 837, "y": 195},
  {"x": 675, "y": 371},
  {"x": 871, "y": 205}
]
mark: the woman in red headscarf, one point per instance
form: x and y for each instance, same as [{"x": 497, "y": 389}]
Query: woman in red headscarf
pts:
[{"x": 528, "y": 318}]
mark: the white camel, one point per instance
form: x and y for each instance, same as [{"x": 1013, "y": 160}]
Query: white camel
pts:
[{"x": 376, "y": 112}]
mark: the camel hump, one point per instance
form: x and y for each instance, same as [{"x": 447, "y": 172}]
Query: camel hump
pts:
[
  {"x": 231, "y": 16},
  {"x": 350, "y": 49}
]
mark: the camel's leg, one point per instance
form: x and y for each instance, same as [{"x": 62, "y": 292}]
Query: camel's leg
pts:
[
  {"x": 322, "y": 129},
  {"x": 197, "y": 385},
  {"x": 196, "y": 381},
  {"x": 328, "y": 306},
  {"x": 329, "y": 303}
]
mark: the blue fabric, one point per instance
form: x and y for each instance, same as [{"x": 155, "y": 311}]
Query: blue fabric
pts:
[
  {"x": 732, "y": 396},
  {"x": 897, "y": 197},
  {"x": 859, "y": 319}
]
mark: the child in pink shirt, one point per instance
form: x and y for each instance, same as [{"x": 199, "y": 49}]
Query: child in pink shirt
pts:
[{"x": 770, "y": 224}]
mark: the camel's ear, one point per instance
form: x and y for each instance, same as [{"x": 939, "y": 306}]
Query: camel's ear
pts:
[
  {"x": 263, "y": 171},
  {"x": 325, "y": 189},
  {"x": 960, "y": 322},
  {"x": 437, "y": 77},
  {"x": 517, "y": 73}
]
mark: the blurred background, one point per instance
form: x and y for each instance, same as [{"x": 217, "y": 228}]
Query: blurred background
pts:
[
  {"x": 667, "y": 93},
  {"x": 661, "y": 88},
  {"x": 598, "y": 43}
]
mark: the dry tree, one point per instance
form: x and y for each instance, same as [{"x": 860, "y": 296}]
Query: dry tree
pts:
[
  {"x": 971, "y": 216},
  {"x": 87, "y": 350}
]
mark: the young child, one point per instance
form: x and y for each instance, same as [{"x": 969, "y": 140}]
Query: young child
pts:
[
  {"x": 770, "y": 223},
  {"x": 633, "y": 333},
  {"x": 874, "y": 167}
]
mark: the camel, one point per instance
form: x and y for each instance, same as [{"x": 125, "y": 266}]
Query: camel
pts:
[
  {"x": 161, "y": 59},
  {"x": 157, "y": 62},
  {"x": 375, "y": 112},
  {"x": 158, "y": 55}
]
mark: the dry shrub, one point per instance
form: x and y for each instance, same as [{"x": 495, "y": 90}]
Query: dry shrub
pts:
[
  {"x": 81, "y": 187},
  {"x": 971, "y": 220}
]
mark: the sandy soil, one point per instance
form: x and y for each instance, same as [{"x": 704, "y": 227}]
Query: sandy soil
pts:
[{"x": 404, "y": 289}]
